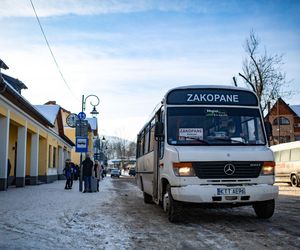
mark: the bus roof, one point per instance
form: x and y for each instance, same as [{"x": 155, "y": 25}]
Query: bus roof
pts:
[
  {"x": 283, "y": 146},
  {"x": 207, "y": 86}
]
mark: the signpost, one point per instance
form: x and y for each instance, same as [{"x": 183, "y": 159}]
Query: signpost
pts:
[
  {"x": 82, "y": 128},
  {"x": 81, "y": 140},
  {"x": 82, "y": 131},
  {"x": 81, "y": 116},
  {"x": 81, "y": 144}
]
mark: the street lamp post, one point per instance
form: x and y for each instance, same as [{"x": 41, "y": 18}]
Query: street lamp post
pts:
[
  {"x": 102, "y": 152},
  {"x": 93, "y": 112}
]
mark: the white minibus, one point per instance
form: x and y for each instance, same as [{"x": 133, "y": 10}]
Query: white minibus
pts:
[
  {"x": 287, "y": 158},
  {"x": 206, "y": 145}
]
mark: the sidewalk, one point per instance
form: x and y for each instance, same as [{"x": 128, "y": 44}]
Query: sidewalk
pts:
[{"x": 49, "y": 217}]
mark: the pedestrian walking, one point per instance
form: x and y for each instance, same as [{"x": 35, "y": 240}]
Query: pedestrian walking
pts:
[
  {"x": 87, "y": 171},
  {"x": 98, "y": 173},
  {"x": 68, "y": 174}
]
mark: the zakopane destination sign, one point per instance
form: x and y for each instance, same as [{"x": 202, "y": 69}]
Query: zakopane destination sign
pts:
[{"x": 212, "y": 97}]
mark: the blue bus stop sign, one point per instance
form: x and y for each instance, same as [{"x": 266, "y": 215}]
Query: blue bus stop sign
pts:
[
  {"x": 81, "y": 116},
  {"x": 81, "y": 144}
]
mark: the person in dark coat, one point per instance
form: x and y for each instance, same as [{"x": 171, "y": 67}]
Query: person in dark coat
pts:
[
  {"x": 73, "y": 172},
  {"x": 68, "y": 174},
  {"x": 76, "y": 172},
  {"x": 87, "y": 172}
]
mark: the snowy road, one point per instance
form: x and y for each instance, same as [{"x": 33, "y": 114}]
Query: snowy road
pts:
[{"x": 49, "y": 217}]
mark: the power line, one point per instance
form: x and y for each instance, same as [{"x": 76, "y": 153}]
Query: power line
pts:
[{"x": 51, "y": 52}]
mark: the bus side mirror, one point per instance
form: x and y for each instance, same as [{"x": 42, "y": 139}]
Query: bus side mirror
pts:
[
  {"x": 269, "y": 130},
  {"x": 159, "y": 131}
]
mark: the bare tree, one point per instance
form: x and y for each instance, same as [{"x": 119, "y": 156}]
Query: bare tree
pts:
[
  {"x": 131, "y": 150},
  {"x": 120, "y": 148},
  {"x": 263, "y": 72}
]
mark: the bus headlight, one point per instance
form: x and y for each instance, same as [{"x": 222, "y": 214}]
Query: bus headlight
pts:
[
  {"x": 268, "y": 168},
  {"x": 183, "y": 169}
]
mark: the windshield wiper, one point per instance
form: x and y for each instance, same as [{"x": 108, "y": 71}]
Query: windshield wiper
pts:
[
  {"x": 196, "y": 139},
  {"x": 230, "y": 140}
]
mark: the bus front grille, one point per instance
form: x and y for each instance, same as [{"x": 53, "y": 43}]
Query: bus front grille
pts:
[{"x": 220, "y": 170}]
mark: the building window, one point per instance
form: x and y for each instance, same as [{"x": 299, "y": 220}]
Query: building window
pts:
[
  {"x": 282, "y": 121},
  {"x": 49, "y": 156},
  {"x": 54, "y": 157}
]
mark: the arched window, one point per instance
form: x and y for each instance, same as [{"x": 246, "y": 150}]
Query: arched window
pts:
[{"x": 282, "y": 121}]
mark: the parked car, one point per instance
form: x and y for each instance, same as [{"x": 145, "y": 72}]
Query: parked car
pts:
[
  {"x": 132, "y": 172},
  {"x": 115, "y": 173}
]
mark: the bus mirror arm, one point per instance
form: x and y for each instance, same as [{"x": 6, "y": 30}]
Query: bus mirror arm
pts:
[{"x": 159, "y": 131}]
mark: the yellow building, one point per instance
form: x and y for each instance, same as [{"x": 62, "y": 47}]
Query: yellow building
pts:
[{"x": 35, "y": 146}]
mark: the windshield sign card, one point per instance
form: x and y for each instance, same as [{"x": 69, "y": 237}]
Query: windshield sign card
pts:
[{"x": 190, "y": 133}]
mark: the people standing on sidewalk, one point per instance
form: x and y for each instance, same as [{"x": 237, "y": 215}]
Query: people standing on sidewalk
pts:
[
  {"x": 73, "y": 172},
  {"x": 87, "y": 171},
  {"x": 68, "y": 174},
  {"x": 76, "y": 173},
  {"x": 98, "y": 173}
]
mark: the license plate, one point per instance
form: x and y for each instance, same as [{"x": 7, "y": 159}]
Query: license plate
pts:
[{"x": 231, "y": 191}]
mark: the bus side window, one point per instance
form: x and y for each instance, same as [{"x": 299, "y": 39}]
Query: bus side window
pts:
[
  {"x": 285, "y": 155},
  {"x": 138, "y": 146},
  {"x": 142, "y": 144},
  {"x": 295, "y": 154},
  {"x": 152, "y": 138},
  {"x": 146, "y": 141},
  {"x": 277, "y": 156}
]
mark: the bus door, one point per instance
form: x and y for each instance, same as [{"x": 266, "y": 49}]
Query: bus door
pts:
[{"x": 158, "y": 145}]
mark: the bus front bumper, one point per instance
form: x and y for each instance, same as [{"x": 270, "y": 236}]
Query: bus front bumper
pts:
[{"x": 224, "y": 194}]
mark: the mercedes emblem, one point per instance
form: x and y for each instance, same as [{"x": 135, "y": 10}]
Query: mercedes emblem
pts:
[{"x": 229, "y": 169}]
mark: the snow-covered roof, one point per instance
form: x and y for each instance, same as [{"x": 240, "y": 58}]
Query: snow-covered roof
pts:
[
  {"x": 92, "y": 122},
  {"x": 296, "y": 109},
  {"x": 22, "y": 102},
  {"x": 14, "y": 82},
  {"x": 49, "y": 111}
]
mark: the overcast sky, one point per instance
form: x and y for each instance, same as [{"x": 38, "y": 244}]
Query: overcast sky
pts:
[{"x": 129, "y": 53}]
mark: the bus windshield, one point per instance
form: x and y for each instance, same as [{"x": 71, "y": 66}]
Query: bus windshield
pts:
[{"x": 214, "y": 126}]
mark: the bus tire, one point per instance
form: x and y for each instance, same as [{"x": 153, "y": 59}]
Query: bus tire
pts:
[
  {"x": 147, "y": 198},
  {"x": 265, "y": 209},
  {"x": 173, "y": 208},
  {"x": 294, "y": 181}
]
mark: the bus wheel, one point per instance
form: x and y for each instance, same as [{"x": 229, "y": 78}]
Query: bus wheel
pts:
[
  {"x": 265, "y": 209},
  {"x": 147, "y": 198},
  {"x": 172, "y": 208},
  {"x": 294, "y": 181}
]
